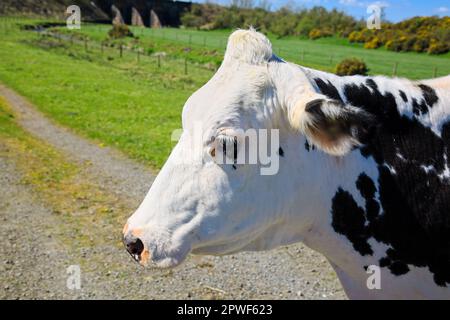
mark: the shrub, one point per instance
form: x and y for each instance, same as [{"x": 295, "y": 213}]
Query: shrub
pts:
[
  {"x": 394, "y": 45},
  {"x": 354, "y": 36},
  {"x": 318, "y": 33},
  {"x": 437, "y": 47},
  {"x": 421, "y": 44},
  {"x": 373, "y": 44},
  {"x": 351, "y": 66},
  {"x": 120, "y": 31}
]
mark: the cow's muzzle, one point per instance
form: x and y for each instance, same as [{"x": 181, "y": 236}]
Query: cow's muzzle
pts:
[{"x": 134, "y": 246}]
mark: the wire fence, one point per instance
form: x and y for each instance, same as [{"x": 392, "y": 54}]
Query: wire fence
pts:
[
  {"x": 122, "y": 51},
  {"x": 320, "y": 56}
]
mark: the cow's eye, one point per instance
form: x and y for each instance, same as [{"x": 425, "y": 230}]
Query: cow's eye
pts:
[
  {"x": 230, "y": 149},
  {"x": 225, "y": 147}
]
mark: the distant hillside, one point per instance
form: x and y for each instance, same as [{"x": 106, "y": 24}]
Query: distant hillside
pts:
[
  {"x": 168, "y": 11},
  {"x": 419, "y": 34},
  {"x": 50, "y": 8}
]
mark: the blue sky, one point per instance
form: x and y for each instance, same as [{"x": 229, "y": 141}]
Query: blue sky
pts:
[{"x": 395, "y": 10}]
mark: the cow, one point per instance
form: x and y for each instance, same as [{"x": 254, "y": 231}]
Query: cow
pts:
[{"x": 363, "y": 175}]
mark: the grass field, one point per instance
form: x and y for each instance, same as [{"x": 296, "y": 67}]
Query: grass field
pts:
[
  {"x": 135, "y": 106},
  {"x": 321, "y": 54}
]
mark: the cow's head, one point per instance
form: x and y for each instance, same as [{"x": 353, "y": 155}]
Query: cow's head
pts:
[{"x": 204, "y": 205}]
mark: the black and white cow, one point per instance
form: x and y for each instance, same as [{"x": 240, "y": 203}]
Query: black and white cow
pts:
[{"x": 362, "y": 173}]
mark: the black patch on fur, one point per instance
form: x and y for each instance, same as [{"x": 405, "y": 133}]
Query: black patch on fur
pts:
[
  {"x": 429, "y": 95},
  {"x": 281, "y": 152},
  {"x": 349, "y": 219},
  {"x": 307, "y": 146},
  {"x": 314, "y": 105},
  {"x": 348, "y": 122},
  {"x": 372, "y": 84},
  {"x": 419, "y": 107},
  {"x": 403, "y": 96},
  {"x": 328, "y": 89},
  {"x": 407, "y": 208}
]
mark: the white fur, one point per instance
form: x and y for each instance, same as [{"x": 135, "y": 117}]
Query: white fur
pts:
[{"x": 206, "y": 208}]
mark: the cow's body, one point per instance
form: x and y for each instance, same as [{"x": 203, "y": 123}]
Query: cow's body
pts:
[
  {"x": 393, "y": 211},
  {"x": 363, "y": 174}
]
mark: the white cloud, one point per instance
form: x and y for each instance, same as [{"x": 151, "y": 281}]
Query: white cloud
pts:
[
  {"x": 442, "y": 10},
  {"x": 382, "y": 4},
  {"x": 352, "y": 3},
  {"x": 356, "y": 3}
]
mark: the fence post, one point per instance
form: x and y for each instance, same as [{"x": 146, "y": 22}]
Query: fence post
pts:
[
  {"x": 185, "y": 66},
  {"x": 120, "y": 50},
  {"x": 101, "y": 46},
  {"x": 159, "y": 61},
  {"x": 138, "y": 55},
  {"x": 394, "y": 71}
]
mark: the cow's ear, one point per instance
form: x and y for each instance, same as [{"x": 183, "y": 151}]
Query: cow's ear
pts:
[
  {"x": 248, "y": 46},
  {"x": 332, "y": 126}
]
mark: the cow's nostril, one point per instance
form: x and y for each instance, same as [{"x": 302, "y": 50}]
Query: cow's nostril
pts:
[{"x": 134, "y": 246}]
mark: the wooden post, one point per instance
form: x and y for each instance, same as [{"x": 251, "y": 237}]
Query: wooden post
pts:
[
  {"x": 120, "y": 50},
  {"x": 185, "y": 66},
  {"x": 138, "y": 55},
  {"x": 394, "y": 71},
  {"x": 159, "y": 61},
  {"x": 101, "y": 46}
]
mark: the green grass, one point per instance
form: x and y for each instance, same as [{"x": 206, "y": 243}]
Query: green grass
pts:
[
  {"x": 321, "y": 54},
  {"x": 116, "y": 101},
  {"x": 136, "y": 106}
]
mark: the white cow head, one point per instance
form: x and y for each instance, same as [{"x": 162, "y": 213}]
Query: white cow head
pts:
[{"x": 201, "y": 206}]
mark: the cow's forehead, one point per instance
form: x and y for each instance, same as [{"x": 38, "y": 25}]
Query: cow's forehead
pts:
[{"x": 231, "y": 92}]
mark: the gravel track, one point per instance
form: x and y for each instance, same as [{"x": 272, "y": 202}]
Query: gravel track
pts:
[{"x": 34, "y": 258}]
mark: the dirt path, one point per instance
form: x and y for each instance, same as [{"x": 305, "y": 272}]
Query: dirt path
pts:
[{"x": 42, "y": 244}]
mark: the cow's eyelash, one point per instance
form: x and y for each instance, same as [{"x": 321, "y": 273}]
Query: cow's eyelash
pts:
[{"x": 224, "y": 142}]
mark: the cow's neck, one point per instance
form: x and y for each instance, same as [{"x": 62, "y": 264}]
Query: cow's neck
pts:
[{"x": 405, "y": 164}]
